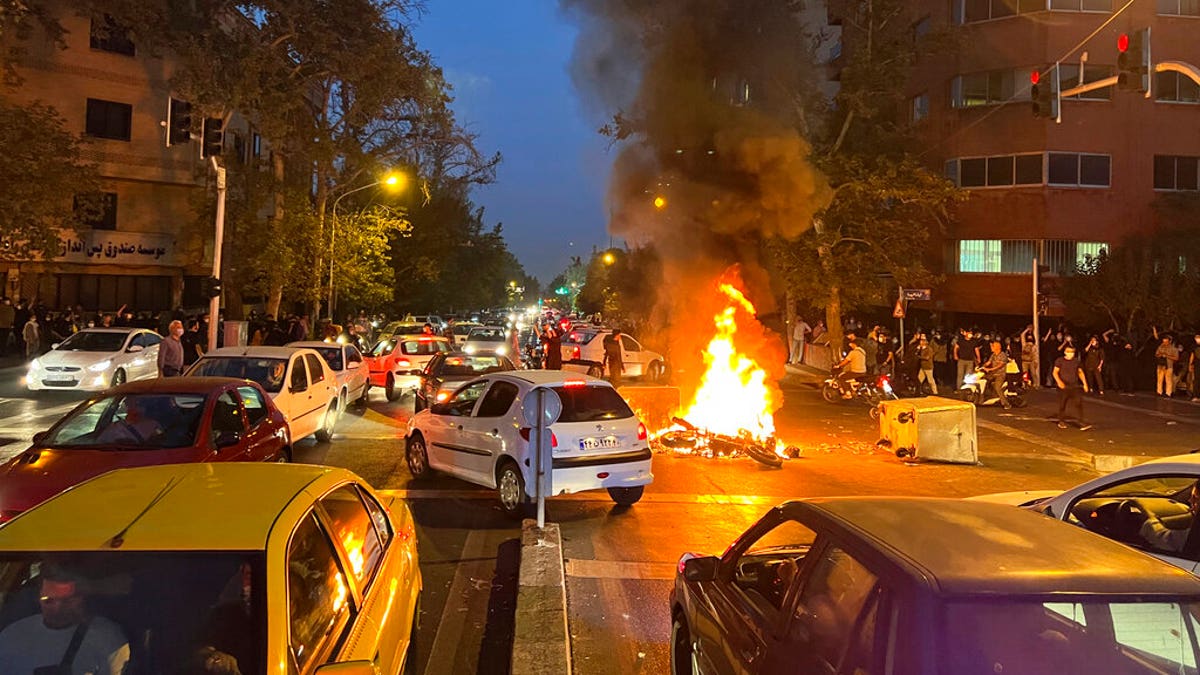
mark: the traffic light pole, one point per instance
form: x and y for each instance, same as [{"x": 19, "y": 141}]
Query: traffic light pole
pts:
[
  {"x": 1036, "y": 367},
  {"x": 214, "y": 304}
]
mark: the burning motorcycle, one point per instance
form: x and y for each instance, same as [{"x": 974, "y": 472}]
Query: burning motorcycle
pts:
[
  {"x": 687, "y": 437},
  {"x": 978, "y": 390}
]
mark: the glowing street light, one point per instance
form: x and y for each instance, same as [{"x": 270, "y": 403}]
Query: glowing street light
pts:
[
  {"x": 394, "y": 181},
  {"x": 609, "y": 258}
]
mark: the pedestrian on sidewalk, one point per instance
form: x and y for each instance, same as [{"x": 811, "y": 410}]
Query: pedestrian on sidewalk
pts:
[
  {"x": 31, "y": 334},
  {"x": 1165, "y": 358},
  {"x": 800, "y": 331},
  {"x": 1194, "y": 361},
  {"x": 925, "y": 360},
  {"x": 1093, "y": 365},
  {"x": 1069, "y": 379},
  {"x": 170, "y": 351}
]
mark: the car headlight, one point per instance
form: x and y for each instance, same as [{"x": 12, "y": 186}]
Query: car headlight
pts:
[
  {"x": 34, "y": 364},
  {"x": 100, "y": 367},
  {"x": 470, "y": 349},
  {"x": 502, "y": 351}
]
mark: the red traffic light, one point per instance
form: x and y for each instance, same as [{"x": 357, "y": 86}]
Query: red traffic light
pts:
[
  {"x": 1034, "y": 77},
  {"x": 1123, "y": 42}
]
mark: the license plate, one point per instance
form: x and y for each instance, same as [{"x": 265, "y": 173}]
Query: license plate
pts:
[
  {"x": 60, "y": 383},
  {"x": 599, "y": 443}
]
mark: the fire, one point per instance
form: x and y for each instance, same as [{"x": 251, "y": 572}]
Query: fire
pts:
[{"x": 734, "y": 397}]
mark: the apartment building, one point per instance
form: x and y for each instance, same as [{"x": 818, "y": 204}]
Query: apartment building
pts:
[
  {"x": 1057, "y": 191},
  {"x": 149, "y": 250}
]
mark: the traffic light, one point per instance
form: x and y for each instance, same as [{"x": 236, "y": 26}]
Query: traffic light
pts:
[
  {"x": 213, "y": 137},
  {"x": 179, "y": 122},
  {"x": 1133, "y": 61},
  {"x": 212, "y": 287},
  {"x": 1043, "y": 91}
]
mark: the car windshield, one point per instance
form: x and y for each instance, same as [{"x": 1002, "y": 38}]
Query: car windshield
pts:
[
  {"x": 1152, "y": 486},
  {"x": 332, "y": 356},
  {"x": 579, "y": 337},
  {"x": 265, "y": 371},
  {"x": 1062, "y": 636},
  {"x": 463, "y": 330},
  {"x": 93, "y": 341},
  {"x": 382, "y": 348},
  {"x": 471, "y": 366},
  {"x": 172, "y": 610},
  {"x": 487, "y": 335},
  {"x": 424, "y": 347},
  {"x": 588, "y": 403},
  {"x": 148, "y": 421}
]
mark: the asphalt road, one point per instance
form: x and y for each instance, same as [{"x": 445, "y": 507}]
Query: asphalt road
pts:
[{"x": 620, "y": 561}]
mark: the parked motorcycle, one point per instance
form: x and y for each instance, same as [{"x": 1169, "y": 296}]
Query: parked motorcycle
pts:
[
  {"x": 868, "y": 389},
  {"x": 976, "y": 389}
]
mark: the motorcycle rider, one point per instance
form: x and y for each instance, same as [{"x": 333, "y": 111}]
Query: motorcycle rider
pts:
[
  {"x": 994, "y": 371},
  {"x": 853, "y": 367}
]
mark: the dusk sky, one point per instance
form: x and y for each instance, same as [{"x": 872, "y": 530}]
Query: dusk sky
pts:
[{"x": 508, "y": 64}]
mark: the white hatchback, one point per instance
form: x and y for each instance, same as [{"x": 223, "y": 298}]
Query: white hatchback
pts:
[
  {"x": 487, "y": 340},
  {"x": 479, "y": 435},
  {"x": 346, "y": 362},
  {"x": 95, "y": 359},
  {"x": 299, "y": 381}
]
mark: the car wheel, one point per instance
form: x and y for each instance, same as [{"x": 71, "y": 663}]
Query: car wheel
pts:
[
  {"x": 390, "y": 388},
  {"x": 595, "y": 371},
  {"x": 284, "y": 456},
  {"x": 417, "y": 457},
  {"x": 362, "y": 400},
  {"x": 510, "y": 485},
  {"x": 118, "y": 377},
  {"x": 654, "y": 372},
  {"x": 325, "y": 433},
  {"x": 626, "y": 496},
  {"x": 683, "y": 659}
]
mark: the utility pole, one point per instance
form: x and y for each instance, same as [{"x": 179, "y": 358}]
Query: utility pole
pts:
[
  {"x": 214, "y": 304},
  {"x": 1037, "y": 336}
]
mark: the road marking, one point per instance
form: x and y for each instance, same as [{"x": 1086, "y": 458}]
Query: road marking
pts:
[
  {"x": 1153, "y": 413},
  {"x": 598, "y": 496},
  {"x": 477, "y": 561},
  {"x": 619, "y": 569},
  {"x": 1040, "y": 441}
]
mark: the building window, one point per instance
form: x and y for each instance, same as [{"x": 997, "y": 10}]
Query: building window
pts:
[
  {"x": 972, "y": 11},
  {"x": 989, "y": 88},
  {"x": 920, "y": 107},
  {"x": 108, "y": 36},
  {"x": 1176, "y": 173},
  {"x": 1078, "y": 169},
  {"x": 979, "y": 255},
  {"x": 1068, "y": 74},
  {"x": 1172, "y": 87},
  {"x": 1081, "y": 5},
  {"x": 1088, "y": 249},
  {"x": 998, "y": 171},
  {"x": 106, "y": 218},
  {"x": 1015, "y": 256},
  {"x": 1179, "y": 7},
  {"x": 256, "y": 145},
  {"x": 108, "y": 119}
]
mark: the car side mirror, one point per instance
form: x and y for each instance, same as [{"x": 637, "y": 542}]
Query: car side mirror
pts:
[
  {"x": 439, "y": 409},
  {"x": 352, "y": 365},
  {"x": 701, "y": 569},
  {"x": 40, "y": 436},
  {"x": 348, "y": 668},
  {"x": 226, "y": 439},
  {"x": 135, "y": 348}
]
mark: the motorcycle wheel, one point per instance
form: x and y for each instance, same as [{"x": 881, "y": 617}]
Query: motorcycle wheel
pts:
[
  {"x": 764, "y": 456},
  {"x": 876, "y": 411},
  {"x": 830, "y": 393},
  {"x": 873, "y": 398}
]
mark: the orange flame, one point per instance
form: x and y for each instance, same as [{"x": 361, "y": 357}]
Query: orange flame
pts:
[{"x": 734, "y": 396}]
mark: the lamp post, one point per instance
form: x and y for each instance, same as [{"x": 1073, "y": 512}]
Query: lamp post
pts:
[{"x": 392, "y": 180}]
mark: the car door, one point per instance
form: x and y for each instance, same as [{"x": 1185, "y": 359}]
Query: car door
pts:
[
  {"x": 133, "y": 358},
  {"x": 356, "y": 374},
  {"x": 321, "y": 381},
  {"x": 262, "y": 442},
  {"x": 489, "y": 430},
  {"x": 631, "y": 357},
  {"x": 304, "y": 412},
  {"x": 151, "y": 342},
  {"x": 742, "y": 621},
  {"x": 228, "y": 428},
  {"x": 446, "y": 446}
]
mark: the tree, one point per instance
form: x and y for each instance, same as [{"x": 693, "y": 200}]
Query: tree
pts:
[{"x": 41, "y": 169}]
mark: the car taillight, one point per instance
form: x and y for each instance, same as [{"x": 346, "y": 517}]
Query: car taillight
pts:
[
  {"x": 526, "y": 432},
  {"x": 575, "y": 353},
  {"x": 574, "y": 383},
  {"x": 641, "y": 431}
]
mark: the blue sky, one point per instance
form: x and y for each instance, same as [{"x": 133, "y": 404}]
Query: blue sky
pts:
[{"x": 507, "y": 61}]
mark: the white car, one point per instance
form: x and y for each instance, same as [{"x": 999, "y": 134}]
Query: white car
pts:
[
  {"x": 479, "y": 435},
  {"x": 487, "y": 340},
  {"x": 95, "y": 359},
  {"x": 461, "y": 331},
  {"x": 1116, "y": 506},
  {"x": 299, "y": 381},
  {"x": 583, "y": 351},
  {"x": 346, "y": 362}
]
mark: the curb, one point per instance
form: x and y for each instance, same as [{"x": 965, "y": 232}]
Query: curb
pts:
[{"x": 541, "y": 641}]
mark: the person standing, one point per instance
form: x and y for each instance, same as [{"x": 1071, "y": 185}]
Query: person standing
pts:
[
  {"x": 871, "y": 347},
  {"x": 20, "y": 317},
  {"x": 170, "y": 352},
  {"x": 1068, "y": 377},
  {"x": 964, "y": 355},
  {"x": 31, "y": 335},
  {"x": 924, "y": 356},
  {"x": 7, "y": 315},
  {"x": 552, "y": 348},
  {"x": 1165, "y": 358},
  {"x": 1193, "y": 362},
  {"x": 1126, "y": 364},
  {"x": 613, "y": 358},
  {"x": 1093, "y": 365},
  {"x": 193, "y": 342},
  {"x": 800, "y": 332}
]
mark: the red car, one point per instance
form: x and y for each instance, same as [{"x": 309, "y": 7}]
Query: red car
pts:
[
  {"x": 161, "y": 421},
  {"x": 395, "y": 363}
]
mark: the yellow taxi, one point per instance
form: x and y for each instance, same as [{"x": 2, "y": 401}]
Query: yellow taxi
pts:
[{"x": 254, "y": 568}]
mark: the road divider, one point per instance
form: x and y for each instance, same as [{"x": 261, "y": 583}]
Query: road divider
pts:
[{"x": 541, "y": 640}]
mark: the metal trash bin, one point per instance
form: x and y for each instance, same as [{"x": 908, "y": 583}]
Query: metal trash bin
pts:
[{"x": 932, "y": 428}]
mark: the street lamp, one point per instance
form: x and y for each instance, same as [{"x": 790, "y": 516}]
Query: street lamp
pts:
[
  {"x": 394, "y": 181},
  {"x": 609, "y": 258}
]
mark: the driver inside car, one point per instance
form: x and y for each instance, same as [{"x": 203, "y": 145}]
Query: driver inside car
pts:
[{"x": 1158, "y": 535}]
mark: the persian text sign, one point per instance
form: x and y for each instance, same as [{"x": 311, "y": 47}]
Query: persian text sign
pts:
[{"x": 99, "y": 247}]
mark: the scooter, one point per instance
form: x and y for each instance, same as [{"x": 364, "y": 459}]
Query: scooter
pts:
[
  {"x": 978, "y": 390},
  {"x": 869, "y": 390}
]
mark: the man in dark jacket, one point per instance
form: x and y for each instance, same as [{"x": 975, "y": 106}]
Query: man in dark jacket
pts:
[{"x": 613, "y": 357}]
